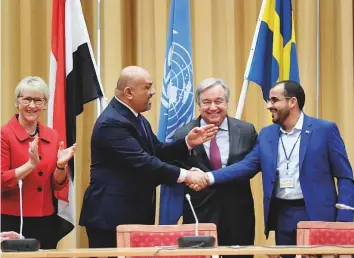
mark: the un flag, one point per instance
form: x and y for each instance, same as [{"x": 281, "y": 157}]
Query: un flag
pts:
[{"x": 177, "y": 100}]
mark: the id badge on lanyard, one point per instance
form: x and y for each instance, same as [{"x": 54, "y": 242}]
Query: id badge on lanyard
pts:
[{"x": 287, "y": 182}]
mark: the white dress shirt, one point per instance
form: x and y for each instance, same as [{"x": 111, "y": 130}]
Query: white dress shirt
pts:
[
  {"x": 222, "y": 140},
  {"x": 183, "y": 172},
  {"x": 290, "y": 168},
  {"x": 289, "y": 140}
]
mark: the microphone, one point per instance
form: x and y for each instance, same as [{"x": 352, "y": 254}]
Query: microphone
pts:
[
  {"x": 342, "y": 206},
  {"x": 21, "y": 244},
  {"x": 20, "y": 183},
  {"x": 196, "y": 240},
  {"x": 188, "y": 197}
]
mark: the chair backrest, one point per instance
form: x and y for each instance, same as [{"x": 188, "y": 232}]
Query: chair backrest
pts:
[
  {"x": 160, "y": 235},
  {"x": 325, "y": 233}
]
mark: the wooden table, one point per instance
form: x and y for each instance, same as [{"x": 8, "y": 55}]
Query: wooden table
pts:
[{"x": 174, "y": 251}]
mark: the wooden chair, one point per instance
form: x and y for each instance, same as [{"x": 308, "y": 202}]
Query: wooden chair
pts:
[
  {"x": 325, "y": 233},
  {"x": 160, "y": 235}
]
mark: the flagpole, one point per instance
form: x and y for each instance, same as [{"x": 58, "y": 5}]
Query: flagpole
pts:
[
  {"x": 245, "y": 83},
  {"x": 318, "y": 60},
  {"x": 98, "y": 101}
]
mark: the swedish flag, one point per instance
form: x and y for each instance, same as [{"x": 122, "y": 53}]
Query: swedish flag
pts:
[{"x": 275, "y": 56}]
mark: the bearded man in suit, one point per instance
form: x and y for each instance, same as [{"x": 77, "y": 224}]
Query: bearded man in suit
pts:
[{"x": 299, "y": 157}]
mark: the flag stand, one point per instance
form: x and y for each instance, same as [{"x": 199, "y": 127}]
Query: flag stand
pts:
[{"x": 242, "y": 99}]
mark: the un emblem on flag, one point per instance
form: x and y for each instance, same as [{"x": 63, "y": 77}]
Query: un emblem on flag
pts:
[{"x": 177, "y": 94}]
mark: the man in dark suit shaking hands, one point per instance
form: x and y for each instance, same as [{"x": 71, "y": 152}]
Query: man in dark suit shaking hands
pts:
[
  {"x": 229, "y": 206},
  {"x": 128, "y": 161}
]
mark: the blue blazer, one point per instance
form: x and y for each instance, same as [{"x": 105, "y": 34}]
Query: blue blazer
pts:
[
  {"x": 322, "y": 157},
  {"x": 126, "y": 167}
]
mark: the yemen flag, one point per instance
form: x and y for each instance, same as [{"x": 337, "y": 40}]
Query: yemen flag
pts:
[{"x": 73, "y": 82}]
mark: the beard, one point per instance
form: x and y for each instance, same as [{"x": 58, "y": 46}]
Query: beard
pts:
[
  {"x": 279, "y": 116},
  {"x": 148, "y": 107}
]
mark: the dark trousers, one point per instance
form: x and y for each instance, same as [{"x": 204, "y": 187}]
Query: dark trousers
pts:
[
  {"x": 236, "y": 227},
  {"x": 44, "y": 229},
  {"x": 286, "y": 216},
  {"x": 100, "y": 238}
]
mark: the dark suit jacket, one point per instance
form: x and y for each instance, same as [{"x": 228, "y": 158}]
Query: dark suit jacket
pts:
[
  {"x": 322, "y": 157},
  {"x": 126, "y": 167},
  {"x": 235, "y": 198}
]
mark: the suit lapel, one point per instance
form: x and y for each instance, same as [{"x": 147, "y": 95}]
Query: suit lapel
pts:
[
  {"x": 234, "y": 139},
  {"x": 200, "y": 150},
  {"x": 305, "y": 137},
  {"x": 124, "y": 111},
  {"x": 274, "y": 141},
  {"x": 149, "y": 135},
  {"x": 203, "y": 157}
]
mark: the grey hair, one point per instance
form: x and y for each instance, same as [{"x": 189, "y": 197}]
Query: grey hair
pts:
[
  {"x": 208, "y": 83},
  {"x": 32, "y": 83}
]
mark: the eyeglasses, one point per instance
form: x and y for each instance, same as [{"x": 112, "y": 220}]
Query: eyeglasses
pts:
[
  {"x": 28, "y": 100},
  {"x": 275, "y": 100},
  {"x": 208, "y": 103}
]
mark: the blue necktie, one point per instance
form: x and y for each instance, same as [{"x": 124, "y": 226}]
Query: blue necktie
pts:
[{"x": 142, "y": 126}]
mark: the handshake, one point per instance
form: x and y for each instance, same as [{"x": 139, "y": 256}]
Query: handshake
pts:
[{"x": 196, "y": 179}]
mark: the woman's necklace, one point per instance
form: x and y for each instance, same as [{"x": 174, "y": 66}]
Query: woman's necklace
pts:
[{"x": 35, "y": 132}]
